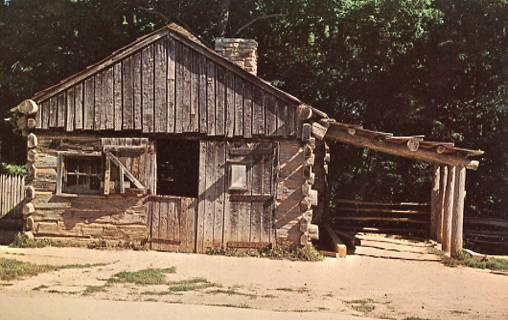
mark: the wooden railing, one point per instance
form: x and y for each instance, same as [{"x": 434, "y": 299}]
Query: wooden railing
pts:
[
  {"x": 489, "y": 235},
  {"x": 12, "y": 193},
  {"x": 407, "y": 218}
]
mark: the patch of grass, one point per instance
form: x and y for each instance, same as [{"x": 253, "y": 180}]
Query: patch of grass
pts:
[
  {"x": 285, "y": 289},
  {"x": 190, "y": 285},
  {"x": 362, "y": 305},
  {"x": 39, "y": 288},
  {"x": 94, "y": 289},
  {"x": 270, "y": 296},
  {"x": 415, "y": 318},
  {"x": 230, "y": 305},
  {"x": 11, "y": 269},
  {"x": 465, "y": 259},
  {"x": 23, "y": 241},
  {"x": 83, "y": 266},
  {"x": 301, "y": 310},
  {"x": 231, "y": 292},
  {"x": 150, "y": 300},
  {"x": 143, "y": 277},
  {"x": 156, "y": 293},
  {"x": 306, "y": 253}
]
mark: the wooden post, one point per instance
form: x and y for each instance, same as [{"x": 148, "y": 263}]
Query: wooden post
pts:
[
  {"x": 443, "y": 177},
  {"x": 448, "y": 210},
  {"x": 458, "y": 211},
  {"x": 434, "y": 203}
]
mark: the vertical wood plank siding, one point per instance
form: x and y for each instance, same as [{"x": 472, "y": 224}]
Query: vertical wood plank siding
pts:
[{"x": 168, "y": 87}]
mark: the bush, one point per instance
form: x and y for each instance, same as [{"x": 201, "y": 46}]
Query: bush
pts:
[{"x": 13, "y": 169}]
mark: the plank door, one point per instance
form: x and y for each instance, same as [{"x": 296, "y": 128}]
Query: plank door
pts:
[
  {"x": 171, "y": 223},
  {"x": 250, "y": 194}
]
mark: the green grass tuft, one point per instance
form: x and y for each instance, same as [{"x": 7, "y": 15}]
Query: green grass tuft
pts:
[
  {"x": 306, "y": 253},
  {"x": 466, "y": 259},
  {"x": 362, "y": 305},
  {"x": 190, "y": 285},
  {"x": 143, "y": 277}
]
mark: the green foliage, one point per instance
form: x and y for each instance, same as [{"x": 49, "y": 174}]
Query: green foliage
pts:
[
  {"x": 13, "y": 169},
  {"x": 306, "y": 253},
  {"x": 143, "y": 277},
  {"x": 467, "y": 260},
  {"x": 13, "y": 269}
]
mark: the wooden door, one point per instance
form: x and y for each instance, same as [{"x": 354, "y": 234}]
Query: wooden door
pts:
[
  {"x": 250, "y": 194},
  {"x": 171, "y": 223}
]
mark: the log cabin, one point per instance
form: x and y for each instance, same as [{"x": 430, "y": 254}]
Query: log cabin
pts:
[{"x": 171, "y": 144}]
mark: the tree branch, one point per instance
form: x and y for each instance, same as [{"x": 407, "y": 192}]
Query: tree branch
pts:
[
  {"x": 264, "y": 17},
  {"x": 156, "y": 13}
]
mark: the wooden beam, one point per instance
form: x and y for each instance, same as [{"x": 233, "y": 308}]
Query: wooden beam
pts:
[
  {"x": 318, "y": 130},
  {"x": 448, "y": 210},
  {"x": 126, "y": 171},
  {"x": 121, "y": 181},
  {"x": 443, "y": 177},
  {"x": 458, "y": 212},
  {"x": 340, "y": 134},
  {"x": 107, "y": 176},
  {"x": 434, "y": 202},
  {"x": 304, "y": 112},
  {"x": 338, "y": 244}
]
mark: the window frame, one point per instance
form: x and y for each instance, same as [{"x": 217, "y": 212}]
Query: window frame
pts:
[
  {"x": 238, "y": 189},
  {"x": 60, "y": 172}
]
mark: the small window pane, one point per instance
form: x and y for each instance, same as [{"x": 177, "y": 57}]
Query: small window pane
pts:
[
  {"x": 82, "y": 175},
  {"x": 71, "y": 180},
  {"x": 238, "y": 177}
]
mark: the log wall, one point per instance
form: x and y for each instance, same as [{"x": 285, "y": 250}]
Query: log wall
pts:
[{"x": 115, "y": 216}]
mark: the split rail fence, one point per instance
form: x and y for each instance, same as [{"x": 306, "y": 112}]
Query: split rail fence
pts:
[{"x": 406, "y": 218}]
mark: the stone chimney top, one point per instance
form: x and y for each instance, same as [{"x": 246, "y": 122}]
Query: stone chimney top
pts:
[{"x": 243, "y": 52}]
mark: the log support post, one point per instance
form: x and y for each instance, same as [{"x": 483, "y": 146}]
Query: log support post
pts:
[
  {"x": 458, "y": 212},
  {"x": 448, "y": 210},
  {"x": 443, "y": 177},
  {"x": 434, "y": 203}
]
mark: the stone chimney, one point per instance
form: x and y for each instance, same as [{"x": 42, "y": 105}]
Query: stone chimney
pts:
[{"x": 243, "y": 52}]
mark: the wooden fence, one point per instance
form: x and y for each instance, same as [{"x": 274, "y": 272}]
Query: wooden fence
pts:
[
  {"x": 486, "y": 235},
  {"x": 12, "y": 193},
  {"x": 406, "y": 218}
]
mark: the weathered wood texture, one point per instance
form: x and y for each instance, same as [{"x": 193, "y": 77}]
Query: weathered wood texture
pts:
[
  {"x": 458, "y": 212},
  {"x": 171, "y": 223},
  {"x": 169, "y": 87},
  {"x": 119, "y": 217},
  {"x": 290, "y": 179},
  {"x": 12, "y": 193},
  {"x": 228, "y": 217}
]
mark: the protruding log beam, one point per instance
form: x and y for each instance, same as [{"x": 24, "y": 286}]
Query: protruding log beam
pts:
[
  {"x": 27, "y": 107},
  {"x": 31, "y": 123},
  {"x": 340, "y": 134},
  {"x": 434, "y": 202},
  {"x": 458, "y": 212},
  {"x": 448, "y": 210},
  {"x": 313, "y": 232},
  {"x": 306, "y": 131},
  {"x": 443, "y": 177},
  {"x": 304, "y": 112},
  {"x": 28, "y": 209},
  {"x": 29, "y": 193},
  {"x": 31, "y": 141},
  {"x": 338, "y": 244},
  {"x": 318, "y": 130}
]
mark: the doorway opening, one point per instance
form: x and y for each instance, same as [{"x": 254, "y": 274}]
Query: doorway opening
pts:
[{"x": 178, "y": 167}]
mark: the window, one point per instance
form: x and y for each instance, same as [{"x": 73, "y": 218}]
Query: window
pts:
[
  {"x": 81, "y": 174},
  {"x": 238, "y": 174}
]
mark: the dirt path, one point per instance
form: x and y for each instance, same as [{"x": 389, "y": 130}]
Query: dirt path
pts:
[{"x": 390, "y": 279}]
